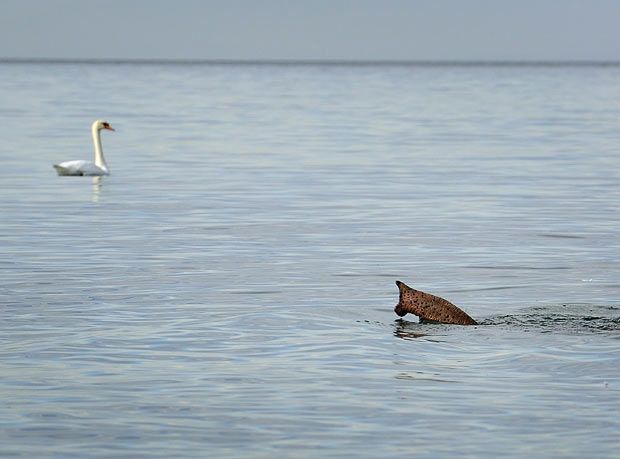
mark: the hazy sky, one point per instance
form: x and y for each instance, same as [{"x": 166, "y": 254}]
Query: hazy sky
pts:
[{"x": 312, "y": 29}]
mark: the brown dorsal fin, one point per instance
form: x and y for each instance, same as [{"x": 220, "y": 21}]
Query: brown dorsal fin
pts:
[{"x": 429, "y": 307}]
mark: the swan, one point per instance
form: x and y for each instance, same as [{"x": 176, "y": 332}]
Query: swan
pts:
[{"x": 81, "y": 167}]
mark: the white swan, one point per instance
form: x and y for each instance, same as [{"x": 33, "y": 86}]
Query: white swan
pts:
[{"x": 81, "y": 167}]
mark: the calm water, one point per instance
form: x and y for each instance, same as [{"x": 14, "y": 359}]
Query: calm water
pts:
[{"x": 228, "y": 291}]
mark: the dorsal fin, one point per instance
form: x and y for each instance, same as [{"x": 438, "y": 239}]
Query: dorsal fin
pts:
[{"x": 429, "y": 307}]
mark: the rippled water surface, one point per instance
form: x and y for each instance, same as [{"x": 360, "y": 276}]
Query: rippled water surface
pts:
[{"x": 228, "y": 291}]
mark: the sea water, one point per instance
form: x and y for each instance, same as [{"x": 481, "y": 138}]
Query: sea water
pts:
[{"x": 228, "y": 290}]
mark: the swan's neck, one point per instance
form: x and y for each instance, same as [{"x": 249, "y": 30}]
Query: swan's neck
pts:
[{"x": 99, "y": 159}]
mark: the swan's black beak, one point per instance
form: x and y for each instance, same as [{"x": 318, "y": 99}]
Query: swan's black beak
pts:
[{"x": 108, "y": 127}]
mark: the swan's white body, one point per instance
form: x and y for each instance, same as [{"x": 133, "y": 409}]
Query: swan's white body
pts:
[{"x": 81, "y": 167}]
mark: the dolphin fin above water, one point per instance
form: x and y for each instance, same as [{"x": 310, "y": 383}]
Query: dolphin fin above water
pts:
[{"x": 429, "y": 308}]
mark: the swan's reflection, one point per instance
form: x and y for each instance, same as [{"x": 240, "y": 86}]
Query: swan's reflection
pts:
[{"x": 97, "y": 184}]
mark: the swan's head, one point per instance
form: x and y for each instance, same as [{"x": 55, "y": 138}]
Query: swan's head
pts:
[{"x": 99, "y": 125}]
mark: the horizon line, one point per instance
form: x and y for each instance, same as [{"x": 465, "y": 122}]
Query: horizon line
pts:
[{"x": 327, "y": 62}]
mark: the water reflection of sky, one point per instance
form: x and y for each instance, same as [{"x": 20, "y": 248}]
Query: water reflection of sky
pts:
[{"x": 230, "y": 287}]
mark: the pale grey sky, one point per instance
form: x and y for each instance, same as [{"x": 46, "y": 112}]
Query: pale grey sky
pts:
[{"x": 312, "y": 29}]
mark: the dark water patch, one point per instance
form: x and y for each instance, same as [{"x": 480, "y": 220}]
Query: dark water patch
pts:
[
  {"x": 562, "y": 236},
  {"x": 421, "y": 376},
  {"x": 518, "y": 267},
  {"x": 562, "y": 318},
  {"x": 348, "y": 275}
]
